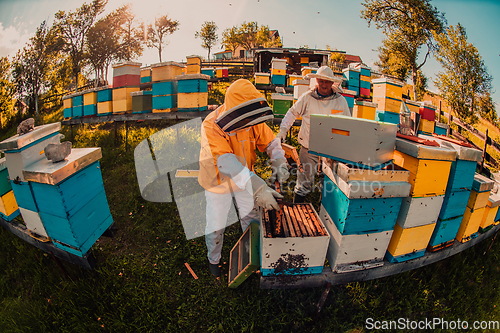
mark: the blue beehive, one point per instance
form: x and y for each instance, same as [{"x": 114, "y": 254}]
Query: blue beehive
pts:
[
  {"x": 77, "y": 111},
  {"x": 71, "y": 199}
]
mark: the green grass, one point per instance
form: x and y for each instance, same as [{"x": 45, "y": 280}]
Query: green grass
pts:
[{"x": 140, "y": 283}]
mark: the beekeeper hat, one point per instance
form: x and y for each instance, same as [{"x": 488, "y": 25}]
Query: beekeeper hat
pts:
[
  {"x": 244, "y": 106},
  {"x": 325, "y": 73}
]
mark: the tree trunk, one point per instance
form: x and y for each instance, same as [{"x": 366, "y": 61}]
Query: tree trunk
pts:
[{"x": 414, "y": 79}]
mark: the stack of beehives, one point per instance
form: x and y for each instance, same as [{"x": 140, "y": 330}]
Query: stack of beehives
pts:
[
  {"x": 387, "y": 93},
  {"x": 104, "y": 100},
  {"x": 165, "y": 86},
  {"x": 278, "y": 72},
  {"x": 126, "y": 79},
  {"x": 8, "y": 205},
  {"x": 192, "y": 92}
]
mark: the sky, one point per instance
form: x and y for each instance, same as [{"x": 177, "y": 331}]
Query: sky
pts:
[{"x": 315, "y": 23}]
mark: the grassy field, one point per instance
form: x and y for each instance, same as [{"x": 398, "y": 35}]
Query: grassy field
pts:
[{"x": 140, "y": 283}]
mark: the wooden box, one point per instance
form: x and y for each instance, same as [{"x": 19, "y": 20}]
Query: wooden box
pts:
[
  {"x": 122, "y": 100},
  {"x": 351, "y": 74},
  {"x": 299, "y": 88},
  {"x": 482, "y": 183},
  {"x": 307, "y": 70},
  {"x": 24, "y": 195},
  {"x": 361, "y": 142},
  {"x": 164, "y": 102},
  {"x": 292, "y": 78},
  {"x": 193, "y": 69},
  {"x": 164, "y": 88},
  {"x": 276, "y": 71},
  {"x": 429, "y": 166},
  {"x": 90, "y": 97},
  {"x": 364, "y": 92},
  {"x": 126, "y": 81},
  {"x": 278, "y": 80},
  {"x": 470, "y": 224},
  {"x": 488, "y": 217},
  {"x": 193, "y": 60},
  {"x": 387, "y": 117},
  {"x": 279, "y": 64},
  {"x": 71, "y": 199},
  {"x": 303, "y": 248},
  {"x": 385, "y": 87},
  {"x": 165, "y": 71},
  {"x": 67, "y": 102},
  {"x": 126, "y": 68},
  {"x": 210, "y": 71},
  {"x": 454, "y": 204},
  {"x": 244, "y": 257},
  {"x": 142, "y": 101},
  {"x": 415, "y": 212},
  {"x": 427, "y": 111},
  {"x": 104, "y": 94},
  {"x": 146, "y": 72},
  {"x": 90, "y": 110},
  {"x": 192, "y": 83},
  {"x": 349, "y": 97},
  {"x": 365, "y": 110},
  {"x": 478, "y": 199},
  {"x": 222, "y": 72},
  {"x": 354, "y": 252},
  {"x": 281, "y": 103},
  {"x": 445, "y": 231},
  {"x": 409, "y": 243},
  {"x": 388, "y": 104},
  {"x": 4, "y": 174},
  {"x": 360, "y": 201},
  {"x": 365, "y": 84},
  {"x": 104, "y": 108},
  {"x": 413, "y": 106},
  {"x": 426, "y": 126},
  {"x": 262, "y": 78},
  {"x": 23, "y": 150},
  {"x": 192, "y": 101},
  {"x": 78, "y": 99},
  {"x": 441, "y": 129}
]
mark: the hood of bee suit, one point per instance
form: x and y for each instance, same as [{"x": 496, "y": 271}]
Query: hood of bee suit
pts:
[{"x": 244, "y": 106}]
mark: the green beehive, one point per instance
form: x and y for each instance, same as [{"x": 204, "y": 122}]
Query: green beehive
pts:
[{"x": 281, "y": 104}]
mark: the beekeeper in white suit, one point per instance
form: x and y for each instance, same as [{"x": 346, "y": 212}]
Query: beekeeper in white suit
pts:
[
  {"x": 323, "y": 98},
  {"x": 229, "y": 137}
]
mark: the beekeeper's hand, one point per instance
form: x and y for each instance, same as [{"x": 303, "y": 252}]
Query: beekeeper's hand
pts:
[
  {"x": 263, "y": 195},
  {"x": 281, "y": 136},
  {"x": 280, "y": 171}
]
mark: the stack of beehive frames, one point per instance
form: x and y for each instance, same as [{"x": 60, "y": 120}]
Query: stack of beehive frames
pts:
[
  {"x": 294, "y": 243},
  {"x": 359, "y": 207},
  {"x": 104, "y": 100},
  {"x": 146, "y": 74},
  {"x": 278, "y": 72},
  {"x": 365, "y": 143},
  {"x": 192, "y": 92},
  {"x": 365, "y": 110},
  {"x": 67, "y": 106},
  {"x": 353, "y": 77},
  {"x": 387, "y": 93},
  {"x": 457, "y": 193},
  {"x": 427, "y": 118},
  {"x": 476, "y": 207},
  {"x": 299, "y": 88},
  {"x": 8, "y": 205},
  {"x": 429, "y": 167},
  {"x": 193, "y": 64},
  {"x": 89, "y": 102}
]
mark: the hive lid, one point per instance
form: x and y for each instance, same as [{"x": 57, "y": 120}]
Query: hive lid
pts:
[
  {"x": 482, "y": 183},
  {"x": 388, "y": 80},
  {"x": 351, "y": 69},
  {"x": 422, "y": 151},
  {"x": 127, "y": 63},
  {"x": 463, "y": 153},
  {"x": 192, "y": 77},
  {"x": 47, "y": 172},
  {"x": 168, "y": 63},
  {"x": 39, "y": 132},
  {"x": 102, "y": 88},
  {"x": 262, "y": 74},
  {"x": 390, "y": 173},
  {"x": 365, "y": 103},
  {"x": 349, "y": 92},
  {"x": 494, "y": 199}
]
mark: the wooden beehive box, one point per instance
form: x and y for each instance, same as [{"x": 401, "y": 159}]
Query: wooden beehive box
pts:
[
  {"x": 409, "y": 243},
  {"x": 491, "y": 209},
  {"x": 165, "y": 71},
  {"x": 427, "y": 111},
  {"x": 23, "y": 150},
  {"x": 470, "y": 224},
  {"x": 244, "y": 257},
  {"x": 281, "y": 103},
  {"x": 426, "y": 126},
  {"x": 192, "y": 83},
  {"x": 293, "y": 242},
  {"x": 71, "y": 199},
  {"x": 127, "y": 68},
  {"x": 388, "y": 104},
  {"x": 361, "y": 142},
  {"x": 262, "y": 78},
  {"x": 416, "y": 212},
  {"x": 385, "y": 87},
  {"x": 122, "y": 99},
  {"x": 429, "y": 166},
  {"x": 365, "y": 110}
]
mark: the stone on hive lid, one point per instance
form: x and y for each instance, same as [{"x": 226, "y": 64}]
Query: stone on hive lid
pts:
[
  {"x": 26, "y": 126},
  {"x": 57, "y": 152}
]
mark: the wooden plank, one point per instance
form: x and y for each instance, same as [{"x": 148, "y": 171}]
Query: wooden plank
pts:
[
  {"x": 288, "y": 221},
  {"x": 284, "y": 223},
  {"x": 388, "y": 269},
  {"x": 307, "y": 219},
  {"x": 137, "y": 116},
  {"x": 294, "y": 214},
  {"x": 316, "y": 221},
  {"x": 307, "y": 224}
]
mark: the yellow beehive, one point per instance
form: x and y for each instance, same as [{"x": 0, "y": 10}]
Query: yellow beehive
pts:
[
  {"x": 365, "y": 110},
  {"x": 470, "y": 224},
  {"x": 292, "y": 78},
  {"x": 385, "y": 87},
  {"x": 278, "y": 71},
  {"x": 478, "y": 199},
  {"x": 427, "y": 177},
  {"x": 304, "y": 60},
  {"x": 489, "y": 216},
  {"x": 410, "y": 240},
  {"x": 104, "y": 107},
  {"x": 122, "y": 100},
  {"x": 67, "y": 103},
  {"x": 387, "y": 104},
  {"x": 165, "y": 71},
  {"x": 193, "y": 69},
  {"x": 262, "y": 78},
  {"x": 8, "y": 204},
  {"x": 426, "y": 126},
  {"x": 413, "y": 106},
  {"x": 90, "y": 98},
  {"x": 193, "y": 60},
  {"x": 192, "y": 100},
  {"x": 145, "y": 71}
]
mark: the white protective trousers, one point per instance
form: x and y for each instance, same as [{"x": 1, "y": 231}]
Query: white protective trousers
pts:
[{"x": 218, "y": 206}]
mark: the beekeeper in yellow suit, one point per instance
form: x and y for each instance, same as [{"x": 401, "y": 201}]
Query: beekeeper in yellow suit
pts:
[{"x": 229, "y": 136}]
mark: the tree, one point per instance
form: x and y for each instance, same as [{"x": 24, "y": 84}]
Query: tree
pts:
[
  {"x": 208, "y": 35},
  {"x": 421, "y": 87},
  {"x": 32, "y": 65},
  {"x": 412, "y": 21},
  {"x": 391, "y": 60},
  {"x": 249, "y": 35},
  {"x": 132, "y": 35},
  {"x": 231, "y": 39},
  {"x": 73, "y": 28},
  {"x": 6, "y": 91},
  {"x": 157, "y": 33},
  {"x": 486, "y": 108},
  {"x": 465, "y": 76}
]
